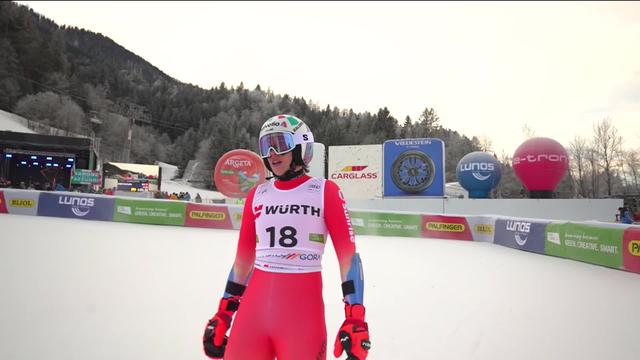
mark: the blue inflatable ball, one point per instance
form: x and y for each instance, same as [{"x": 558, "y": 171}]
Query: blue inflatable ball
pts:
[{"x": 478, "y": 173}]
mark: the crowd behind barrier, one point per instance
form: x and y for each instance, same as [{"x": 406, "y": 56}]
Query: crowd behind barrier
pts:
[{"x": 614, "y": 245}]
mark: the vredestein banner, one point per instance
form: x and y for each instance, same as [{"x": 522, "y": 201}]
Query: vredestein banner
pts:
[
  {"x": 595, "y": 245},
  {"x": 159, "y": 212},
  {"x": 385, "y": 224}
]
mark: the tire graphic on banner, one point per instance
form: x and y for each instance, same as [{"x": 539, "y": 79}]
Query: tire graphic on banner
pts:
[{"x": 413, "y": 171}]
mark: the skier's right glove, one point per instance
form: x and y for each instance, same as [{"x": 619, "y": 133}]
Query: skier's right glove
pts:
[
  {"x": 215, "y": 339},
  {"x": 353, "y": 336}
]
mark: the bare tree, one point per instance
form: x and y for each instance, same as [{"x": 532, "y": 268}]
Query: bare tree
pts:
[
  {"x": 485, "y": 143},
  {"x": 632, "y": 161},
  {"x": 592, "y": 161},
  {"x": 578, "y": 150},
  {"x": 608, "y": 145}
]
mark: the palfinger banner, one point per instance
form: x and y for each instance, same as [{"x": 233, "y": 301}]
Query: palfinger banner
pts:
[
  {"x": 631, "y": 249},
  {"x": 207, "y": 216},
  {"x": 3, "y": 206}
]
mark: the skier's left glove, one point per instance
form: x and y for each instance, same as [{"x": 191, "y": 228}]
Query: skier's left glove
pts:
[
  {"x": 215, "y": 339},
  {"x": 353, "y": 336}
]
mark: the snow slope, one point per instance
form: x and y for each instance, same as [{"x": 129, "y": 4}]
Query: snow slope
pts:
[{"x": 74, "y": 289}]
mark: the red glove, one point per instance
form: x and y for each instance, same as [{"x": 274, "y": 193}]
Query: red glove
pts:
[
  {"x": 353, "y": 336},
  {"x": 215, "y": 339}
]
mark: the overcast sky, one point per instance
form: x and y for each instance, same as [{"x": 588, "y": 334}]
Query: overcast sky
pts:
[{"x": 488, "y": 69}]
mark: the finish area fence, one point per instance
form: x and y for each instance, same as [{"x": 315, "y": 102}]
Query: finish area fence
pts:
[{"x": 607, "y": 244}]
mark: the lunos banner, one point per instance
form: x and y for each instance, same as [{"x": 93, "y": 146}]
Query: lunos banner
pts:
[
  {"x": 523, "y": 234},
  {"x": 76, "y": 206},
  {"x": 207, "y": 216},
  {"x": 631, "y": 249},
  {"x": 21, "y": 202},
  {"x": 595, "y": 245},
  {"x": 3, "y": 206},
  {"x": 385, "y": 224},
  {"x": 446, "y": 227},
  {"x": 157, "y": 212},
  {"x": 357, "y": 170},
  {"x": 413, "y": 167}
]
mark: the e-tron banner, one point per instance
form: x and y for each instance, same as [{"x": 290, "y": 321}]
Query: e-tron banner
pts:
[
  {"x": 413, "y": 167},
  {"x": 21, "y": 202},
  {"x": 631, "y": 249},
  {"x": 521, "y": 234},
  {"x": 76, "y": 206},
  {"x": 208, "y": 216},
  {"x": 3, "y": 207},
  {"x": 357, "y": 170},
  {"x": 595, "y": 245},
  {"x": 446, "y": 227}
]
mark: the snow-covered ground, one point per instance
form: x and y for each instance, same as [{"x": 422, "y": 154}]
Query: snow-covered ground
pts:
[
  {"x": 77, "y": 290},
  {"x": 13, "y": 122}
]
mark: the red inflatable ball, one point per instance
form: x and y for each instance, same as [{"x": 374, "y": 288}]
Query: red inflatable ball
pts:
[
  {"x": 540, "y": 163},
  {"x": 237, "y": 171}
]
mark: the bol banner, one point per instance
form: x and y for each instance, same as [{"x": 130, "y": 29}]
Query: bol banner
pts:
[
  {"x": 631, "y": 248},
  {"x": 482, "y": 227},
  {"x": 156, "y": 212},
  {"x": 446, "y": 227},
  {"x": 3, "y": 207},
  {"x": 385, "y": 224},
  {"x": 521, "y": 234},
  {"x": 413, "y": 167},
  {"x": 75, "y": 206},
  {"x": 21, "y": 202},
  {"x": 207, "y": 216},
  {"x": 237, "y": 171},
  {"x": 595, "y": 245}
]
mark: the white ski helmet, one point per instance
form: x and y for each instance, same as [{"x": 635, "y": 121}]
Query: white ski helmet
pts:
[{"x": 284, "y": 133}]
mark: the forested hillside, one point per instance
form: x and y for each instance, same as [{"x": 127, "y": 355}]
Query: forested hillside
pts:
[{"x": 67, "y": 77}]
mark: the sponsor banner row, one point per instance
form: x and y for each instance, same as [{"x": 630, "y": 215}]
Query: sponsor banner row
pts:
[{"x": 106, "y": 208}]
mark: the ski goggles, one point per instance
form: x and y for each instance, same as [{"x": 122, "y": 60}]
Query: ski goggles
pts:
[{"x": 281, "y": 142}]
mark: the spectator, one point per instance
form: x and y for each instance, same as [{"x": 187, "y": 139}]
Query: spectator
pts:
[
  {"x": 625, "y": 216},
  {"x": 60, "y": 187},
  {"x": 198, "y": 198}
]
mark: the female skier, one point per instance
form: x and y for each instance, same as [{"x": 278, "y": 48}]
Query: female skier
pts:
[{"x": 276, "y": 273}]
